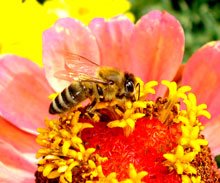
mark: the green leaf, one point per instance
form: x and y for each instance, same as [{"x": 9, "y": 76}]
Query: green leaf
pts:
[{"x": 217, "y": 159}]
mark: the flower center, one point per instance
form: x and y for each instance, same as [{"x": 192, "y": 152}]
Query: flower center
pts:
[
  {"x": 144, "y": 147},
  {"x": 145, "y": 140}
]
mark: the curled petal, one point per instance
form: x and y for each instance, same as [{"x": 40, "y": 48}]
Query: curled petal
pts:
[
  {"x": 113, "y": 38},
  {"x": 10, "y": 134},
  {"x": 157, "y": 47},
  {"x": 202, "y": 72},
  {"x": 66, "y": 36},
  {"x": 23, "y": 92},
  {"x": 211, "y": 133}
]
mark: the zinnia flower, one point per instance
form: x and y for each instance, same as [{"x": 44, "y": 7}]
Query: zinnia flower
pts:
[
  {"x": 23, "y": 22},
  {"x": 154, "y": 139}
]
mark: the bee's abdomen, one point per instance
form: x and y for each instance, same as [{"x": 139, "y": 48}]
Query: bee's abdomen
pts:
[{"x": 69, "y": 97}]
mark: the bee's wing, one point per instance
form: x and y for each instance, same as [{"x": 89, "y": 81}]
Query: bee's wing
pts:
[
  {"x": 78, "y": 68},
  {"x": 65, "y": 75},
  {"x": 80, "y": 65},
  {"x": 69, "y": 76}
]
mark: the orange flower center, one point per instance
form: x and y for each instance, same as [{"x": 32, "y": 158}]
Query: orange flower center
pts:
[{"x": 144, "y": 148}]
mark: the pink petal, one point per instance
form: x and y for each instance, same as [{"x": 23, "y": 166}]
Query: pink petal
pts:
[
  {"x": 179, "y": 74},
  {"x": 66, "y": 36},
  {"x": 9, "y": 175},
  {"x": 157, "y": 47},
  {"x": 23, "y": 92},
  {"x": 15, "y": 159},
  {"x": 211, "y": 133},
  {"x": 202, "y": 72},
  {"x": 113, "y": 38},
  {"x": 10, "y": 134}
]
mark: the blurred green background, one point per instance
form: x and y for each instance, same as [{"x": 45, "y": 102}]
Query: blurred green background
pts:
[{"x": 200, "y": 18}]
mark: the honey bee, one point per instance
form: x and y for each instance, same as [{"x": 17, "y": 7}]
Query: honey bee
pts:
[{"x": 91, "y": 81}]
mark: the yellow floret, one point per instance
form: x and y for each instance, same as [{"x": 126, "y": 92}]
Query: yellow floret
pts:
[
  {"x": 134, "y": 175},
  {"x": 181, "y": 160}
]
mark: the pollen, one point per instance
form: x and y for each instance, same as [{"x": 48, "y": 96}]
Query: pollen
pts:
[
  {"x": 53, "y": 96},
  {"x": 129, "y": 141}
]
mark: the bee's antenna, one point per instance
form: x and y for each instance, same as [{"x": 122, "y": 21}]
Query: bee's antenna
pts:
[{"x": 138, "y": 86}]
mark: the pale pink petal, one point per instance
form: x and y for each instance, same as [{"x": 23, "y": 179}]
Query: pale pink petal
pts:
[
  {"x": 9, "y": 175},
  {"x": 16, "y": 159},
  {"x": 113, "y": 38},
  {"x": 22, "y": 141},
  {"x": 211, "y": 133},
  {"x": 67, "y": 35},
  {"x": 202, "y": 73},
  {"x": 23, "y": 92},
  {"x": 157, "y": 47}
]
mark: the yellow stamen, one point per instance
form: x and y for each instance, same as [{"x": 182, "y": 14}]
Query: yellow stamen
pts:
[
  {"x": 174, "y": 95},
  {"x": 193, "y": 179},
  {"x": 128, "y": 117},
  {"x": 181, "y": 160},
  {"x": 53, "y": 174},
  {"x": 47, "y": 169},
  {"x": 190, "y": 141},
  {"x": 147, "y": 88},
  {"x": 65, "y": 147},
  {"x": 61, "y": 143},
  {"x": 134, "y": 175}
]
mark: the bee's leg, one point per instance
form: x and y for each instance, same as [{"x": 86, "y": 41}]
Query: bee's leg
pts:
[
  {"x": 100, "y": 95},
  {"x": 91, "y": 111},
  {"x": 88, "y": 115},
  {"x": 91, "y": 115},
  {"x": 97, "y": 96},
  {"x": 91, "y": 107}
]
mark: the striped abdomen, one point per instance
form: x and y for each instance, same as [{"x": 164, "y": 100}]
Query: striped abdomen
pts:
[{"x": 69, "y": 97}]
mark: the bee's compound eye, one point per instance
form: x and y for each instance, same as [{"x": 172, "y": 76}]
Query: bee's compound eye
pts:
[{"x": 129, "y": 86}]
